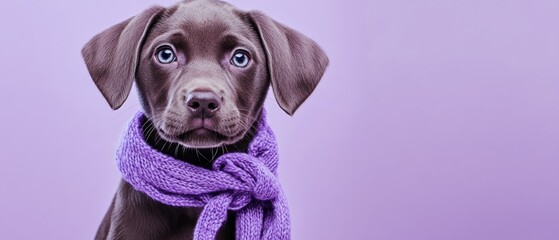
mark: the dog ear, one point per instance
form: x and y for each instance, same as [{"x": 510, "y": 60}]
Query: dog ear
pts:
[
  {"x": 295, "y": 62},
  {"x": 112, "y": 55}
]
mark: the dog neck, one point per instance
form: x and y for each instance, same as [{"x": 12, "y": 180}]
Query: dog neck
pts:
[
  {"x": 245, "y": 183},
  {"x": 201, "y": 157}
]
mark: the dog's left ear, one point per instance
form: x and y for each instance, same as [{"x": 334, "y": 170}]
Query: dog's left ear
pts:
[
  {"x": 112, "y": 55},
  {"x": 295, "y": 62}
]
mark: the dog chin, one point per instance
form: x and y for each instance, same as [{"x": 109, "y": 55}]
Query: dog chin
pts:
[{"x": 199, "y": 138}]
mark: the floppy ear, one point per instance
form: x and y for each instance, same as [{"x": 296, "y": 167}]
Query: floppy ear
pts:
[
  {"x": 112, "y": 55},
  {"x": 295, "y": 62}
]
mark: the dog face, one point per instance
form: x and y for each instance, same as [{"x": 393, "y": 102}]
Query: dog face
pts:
[
  {"x": 203, "y": 68},
  {"x": 202, "y": 74}
]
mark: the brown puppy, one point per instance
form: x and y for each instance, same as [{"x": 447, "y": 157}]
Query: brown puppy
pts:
[{"x": 202, "y": 69}]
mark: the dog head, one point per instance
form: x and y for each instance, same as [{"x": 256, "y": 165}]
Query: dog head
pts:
[{"x": 203, "y": 67}]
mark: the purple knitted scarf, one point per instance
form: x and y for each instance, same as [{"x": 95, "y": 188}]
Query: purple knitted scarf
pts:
[{"x": 243, "y": 182}]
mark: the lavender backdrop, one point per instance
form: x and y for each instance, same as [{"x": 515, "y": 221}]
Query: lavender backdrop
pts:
[{"x": 436, "y": 120}]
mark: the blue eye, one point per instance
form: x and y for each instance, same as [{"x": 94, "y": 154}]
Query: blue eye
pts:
[
  {"x": 165, "y": 55},
  {"x": 240, "y": 59}
]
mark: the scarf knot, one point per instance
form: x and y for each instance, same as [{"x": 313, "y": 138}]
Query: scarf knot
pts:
[
  {"x": 253, "y": 176},
  {"x": 242, "y": 182}
]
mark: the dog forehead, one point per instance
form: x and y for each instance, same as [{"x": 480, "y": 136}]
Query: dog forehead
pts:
[{"x": 204, "y": 16}]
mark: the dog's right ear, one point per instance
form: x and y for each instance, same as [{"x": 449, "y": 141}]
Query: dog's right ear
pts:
[{"x": 112, "y": 55}]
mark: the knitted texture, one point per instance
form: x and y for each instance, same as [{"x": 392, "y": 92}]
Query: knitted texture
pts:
[{"x": 243, "y": 182}]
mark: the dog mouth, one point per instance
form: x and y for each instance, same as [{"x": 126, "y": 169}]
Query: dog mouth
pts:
[{"x": 199, "y": 132}]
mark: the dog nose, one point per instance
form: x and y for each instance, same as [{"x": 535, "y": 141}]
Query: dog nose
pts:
[{"x": 202, "y": 103}]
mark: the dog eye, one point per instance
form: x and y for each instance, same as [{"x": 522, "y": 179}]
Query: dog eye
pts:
[
  {"x": 240, "y": 59},
  {"x": 165, "y": 55}
]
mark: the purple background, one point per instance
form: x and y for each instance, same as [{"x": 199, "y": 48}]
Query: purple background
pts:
[{"x": 435, "y": 120}]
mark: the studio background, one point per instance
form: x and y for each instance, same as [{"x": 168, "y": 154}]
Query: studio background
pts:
[{"x": 435, "y": 120}]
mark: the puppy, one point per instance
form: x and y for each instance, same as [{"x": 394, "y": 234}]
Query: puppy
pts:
[{"x": 202, "y": 69}]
